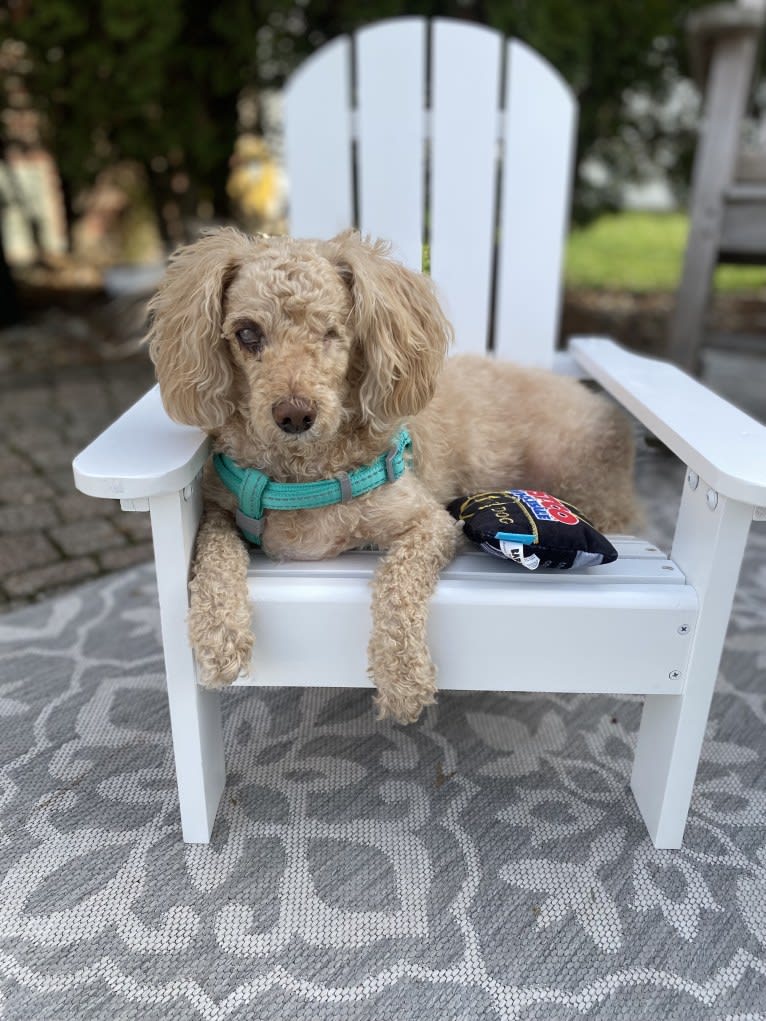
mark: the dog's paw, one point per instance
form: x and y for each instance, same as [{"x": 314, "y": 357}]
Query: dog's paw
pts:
[
  {"x": 221, "y": 664},
  {"x": 402, "y": 708},
  {"x": 220, "y": 631},
  {"x": 403, "y": 698},
  {"x": 405, "y": 678}
]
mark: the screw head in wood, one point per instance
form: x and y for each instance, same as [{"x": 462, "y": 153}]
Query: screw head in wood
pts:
[
  {"x": 674, "y": 675},
  {"x": 693, "y": 479},
  {"x": 712, "y": 499}
]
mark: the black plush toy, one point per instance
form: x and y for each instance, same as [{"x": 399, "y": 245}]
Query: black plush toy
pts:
[{"x": 533, "y": 529}]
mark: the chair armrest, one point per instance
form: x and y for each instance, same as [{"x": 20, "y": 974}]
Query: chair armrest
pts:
[
  {"x": 142, "y": 454},
  {"x": 723, "y": 445}
]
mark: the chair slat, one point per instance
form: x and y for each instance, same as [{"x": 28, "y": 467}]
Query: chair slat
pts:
[
  {"x": 473, "y": 620},
  {"x": 318, "y": 143},
  {"x": 465, "y": 97},
  {"x": 638, "y": 563},
  {"x": 390, "y": 66},
  {"x": 535, "y": 193}
]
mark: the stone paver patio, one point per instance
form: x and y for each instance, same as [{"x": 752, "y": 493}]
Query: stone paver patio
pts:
[{"x": 61, "y": 383}]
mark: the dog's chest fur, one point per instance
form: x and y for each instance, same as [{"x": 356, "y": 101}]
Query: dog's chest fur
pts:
[{"x": 312, "y": 534}]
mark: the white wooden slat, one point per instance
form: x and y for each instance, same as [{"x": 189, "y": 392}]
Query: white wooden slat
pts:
[
  {"x": 639, "y": 563},
  {"x": 390, "y": 75},
  {"x": 536, "y": 182},
  {"x": 628, "y": 546},
  {"x": 465, "y": 98},
  {"x": 318, "y": 135},
  {"x": 488, "y": 636}
]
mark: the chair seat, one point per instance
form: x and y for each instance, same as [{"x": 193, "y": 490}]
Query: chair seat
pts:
[{"x": 311, "y": 621}]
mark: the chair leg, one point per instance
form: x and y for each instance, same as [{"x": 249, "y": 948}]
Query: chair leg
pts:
[
  {"x": 708, "y": 547},
  {"x": 195, "y": 714}
]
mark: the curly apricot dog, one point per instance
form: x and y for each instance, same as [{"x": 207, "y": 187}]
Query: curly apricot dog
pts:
[{"x": 304, "y": 359}]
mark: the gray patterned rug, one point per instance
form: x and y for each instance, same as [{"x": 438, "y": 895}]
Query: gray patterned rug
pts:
[{"x": 488, "y": 862}]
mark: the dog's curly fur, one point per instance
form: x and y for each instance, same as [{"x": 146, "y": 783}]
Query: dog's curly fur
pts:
[{"x": 339, "y": 328}]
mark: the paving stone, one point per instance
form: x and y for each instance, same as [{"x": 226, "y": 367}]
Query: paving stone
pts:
[
  {"x": 37, "y": 421},
  {"x": 89, "y": 394},
  {"x": 24, "y": 488},
  {"x": 81, "y": 537},
  {"x": 128, "y": 392},
  {"x": 50, "y": 578},
  {"x": 22, "y": 517},
  {"x": 62, "y": 479},
  {"x": 126, "y": 556},
  {"x": 10, "y": 464},
  {"x": 135, "y": 524},
  {"x": 55, "y": 455},
  {"x": 76, "y": 506},
  {"x": 35, "y": 437},
  {"x": 87, "y": 428},
  {"x": 24, "y": 550},
  {"x": 26, "y": 401}
]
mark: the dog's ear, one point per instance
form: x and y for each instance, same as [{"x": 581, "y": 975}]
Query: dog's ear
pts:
[
  {"x": 401, "y": 333},
  {"x": 186, "y": 342}
]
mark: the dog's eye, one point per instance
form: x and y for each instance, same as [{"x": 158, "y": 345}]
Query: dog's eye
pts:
[
  {"x": 250, "y": 337},
  {"x": 332, "y": 334}
]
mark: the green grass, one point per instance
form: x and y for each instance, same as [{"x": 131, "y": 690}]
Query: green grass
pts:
[{"x": 642, "y": 252}]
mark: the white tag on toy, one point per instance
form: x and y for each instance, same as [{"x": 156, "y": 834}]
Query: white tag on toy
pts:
[{"x": 515, "y": 552}]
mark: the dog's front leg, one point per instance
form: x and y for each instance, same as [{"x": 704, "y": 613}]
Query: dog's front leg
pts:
[
  {"x": 400, "y": 663},
  {"x": 219, "y": 613}
]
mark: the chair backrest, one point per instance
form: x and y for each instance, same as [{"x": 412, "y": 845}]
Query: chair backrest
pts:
[{"x": 443, "y": 134}]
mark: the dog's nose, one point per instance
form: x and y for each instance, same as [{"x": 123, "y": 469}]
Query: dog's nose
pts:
[{"x": 294, "y": 416}]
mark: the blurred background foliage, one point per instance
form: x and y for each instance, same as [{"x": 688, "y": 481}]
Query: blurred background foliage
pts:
[{"x": 158, "y": 83}]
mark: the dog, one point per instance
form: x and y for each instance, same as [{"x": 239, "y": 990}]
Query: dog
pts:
[{"x": 304, "y": 358}]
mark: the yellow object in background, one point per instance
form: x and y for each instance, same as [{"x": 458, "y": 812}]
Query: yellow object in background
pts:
[{"x": 256, "y": 184}]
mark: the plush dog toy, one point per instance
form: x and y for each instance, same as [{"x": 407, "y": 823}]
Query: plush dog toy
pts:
[{"x": 533, "y": 529}]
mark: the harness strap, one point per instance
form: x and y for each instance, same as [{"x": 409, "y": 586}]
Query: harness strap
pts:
[{"x": 256, "y": 492}]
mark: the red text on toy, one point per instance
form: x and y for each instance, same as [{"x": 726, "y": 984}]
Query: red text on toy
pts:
[{"x": 546, "y": 507}]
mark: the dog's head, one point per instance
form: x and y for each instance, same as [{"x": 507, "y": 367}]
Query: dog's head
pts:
[{"x": 297, "y": 337}]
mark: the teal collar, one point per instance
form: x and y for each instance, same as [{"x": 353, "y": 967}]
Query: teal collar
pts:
[{"x": 256, "y": 492}]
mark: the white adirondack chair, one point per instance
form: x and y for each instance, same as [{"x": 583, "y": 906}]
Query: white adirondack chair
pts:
[{"x": 370, "y": 121}]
